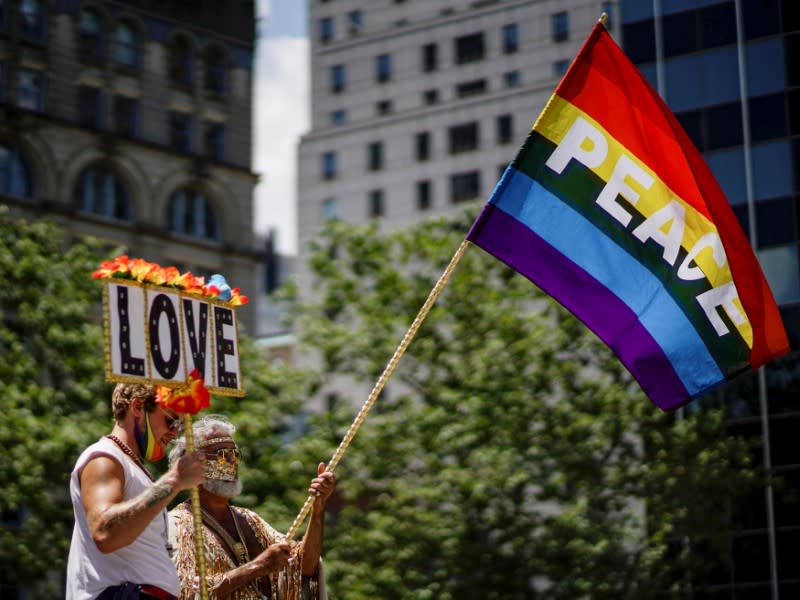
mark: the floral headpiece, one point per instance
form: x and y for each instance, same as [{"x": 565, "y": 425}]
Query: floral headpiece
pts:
[{"x": 143, "y": 271}]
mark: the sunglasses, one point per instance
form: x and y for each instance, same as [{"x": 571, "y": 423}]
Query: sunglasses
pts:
[
  {"x": 172, "y": 423},
  {"x": 225, "y": 455}
]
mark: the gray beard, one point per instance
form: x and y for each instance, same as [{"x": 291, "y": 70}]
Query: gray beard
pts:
[{"x": 226, "y": 489}]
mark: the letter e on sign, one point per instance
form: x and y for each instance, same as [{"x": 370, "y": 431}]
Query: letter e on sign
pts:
[{"x": 226, "y": 372}]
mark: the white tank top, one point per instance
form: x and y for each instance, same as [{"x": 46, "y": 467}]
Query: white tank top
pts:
[{"x": 145, "y": 561}]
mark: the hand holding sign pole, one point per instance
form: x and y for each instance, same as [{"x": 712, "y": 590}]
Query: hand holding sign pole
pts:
[{"x": 177, "y": 332}]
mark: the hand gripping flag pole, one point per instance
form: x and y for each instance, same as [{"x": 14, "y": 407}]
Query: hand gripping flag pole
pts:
[{"x": 384, "y": 377}]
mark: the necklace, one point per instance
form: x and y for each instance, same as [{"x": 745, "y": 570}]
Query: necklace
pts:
[
  {"x": 124, "y": 447},
  {"x": 239, "y": 548}
]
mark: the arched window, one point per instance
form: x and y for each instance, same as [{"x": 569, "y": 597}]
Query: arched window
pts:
[
  {"x": 33, "y": 19},
  {"x": 91, "y": 32},
  {"x": 126, "y": 45},
  {"x": 101, "y": 192},
  {"x": 190, "y": 213},
  {"x": 216, "y": 76},
  {"x": 180, "y": 61},
  {"x": 15, "y": 176}
]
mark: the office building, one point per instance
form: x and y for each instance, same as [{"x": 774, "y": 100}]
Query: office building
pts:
[{"x": 730, "y": 71}]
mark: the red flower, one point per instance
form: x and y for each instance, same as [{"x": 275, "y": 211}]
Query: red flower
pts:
[{"x": 190, "y": 398}]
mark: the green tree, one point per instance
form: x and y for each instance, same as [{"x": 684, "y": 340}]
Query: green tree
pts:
[
  {"x": 53, "y": 398},
  {"x": 511, "y": 455}
]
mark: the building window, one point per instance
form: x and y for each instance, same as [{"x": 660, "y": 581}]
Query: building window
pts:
[
  {"x": 90, "y": 107},
  {"x": 560, "y": 67},
  {"x": 504, "y": 129},
  {"x": 376, "y": 206},
  {"x": 384, "y": 107},
  {"x": 338, "y": 117},
  {"x": 424, "y": 195},
  {"x": 125, "y": 116},
  {"x": 422, "y": 146},
  {"x": 469, "y": 48},
  {"x": 215, "y": 141},
  {"x": 91, "y": 36},
  {"x": 463, "y": 138},
  {"x": 430, "y": 97},
  {"x": 511, "y": 78},
  {"x": 216, "y": 71},
  {"x": 329, "y": 169},
  {"x": 375, "y": 156},
  {"x": 15, "y": 177},
  {"x": 190, "y": 213},
  {"x": 326, "y": 29},
  {"x": 560, "y": 26},
  {"x": 383, "y": 68},
  {"x": 430, "y": 57},
  {"x": 781, "y": 267},
  {"x": 180, "y": 62},
  {"x": 30, "y": 89},
  {"x": 99, "y": 191},
  {"x": 126, "y": 45},
  {"x": 32, "y": 19},
  {"x": 338, "y": 78},
  {"x": 471, "y": 88},
  {"x": 329, "y": 209},
  {"x": 465, "y": 186},
  {"x": 355, "y": 22},
  {"x": 510, "y": 38},
  {"x": 180, "y": 131}
]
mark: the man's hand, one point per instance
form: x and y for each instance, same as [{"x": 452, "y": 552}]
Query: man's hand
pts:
[
  {"x": 188, "y": 471},
  {"x": 322, "y": 485},
  {"x": 273, "y": 559}
]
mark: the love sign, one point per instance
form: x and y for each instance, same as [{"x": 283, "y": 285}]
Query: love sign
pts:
[{"x": 159, "y": 335}]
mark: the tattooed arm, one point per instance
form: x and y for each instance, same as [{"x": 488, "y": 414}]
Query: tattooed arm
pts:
[{"x": 116, "y": 522}]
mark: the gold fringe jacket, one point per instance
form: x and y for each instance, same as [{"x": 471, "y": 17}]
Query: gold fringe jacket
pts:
[{"x": 288, "y": 584}]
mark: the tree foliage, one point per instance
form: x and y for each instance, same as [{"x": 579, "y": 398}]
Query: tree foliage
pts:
[
  {"x": 511, "y": 455},
  {"x": 53, "y": 398}
]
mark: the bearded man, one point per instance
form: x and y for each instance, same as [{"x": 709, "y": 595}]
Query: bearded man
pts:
[{"x": 246, "y": 558}]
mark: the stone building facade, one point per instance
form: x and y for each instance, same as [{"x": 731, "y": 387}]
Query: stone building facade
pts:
[{"x": 131, "y": 122}]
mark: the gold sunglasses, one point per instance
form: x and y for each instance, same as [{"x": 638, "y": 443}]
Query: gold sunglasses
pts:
[{"x": 225, "y": 455}]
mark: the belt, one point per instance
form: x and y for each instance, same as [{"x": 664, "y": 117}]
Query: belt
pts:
[{"x": 151, "y": 591}]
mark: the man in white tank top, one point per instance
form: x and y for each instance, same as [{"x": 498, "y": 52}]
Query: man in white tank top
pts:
[{"x": 119, "y": 542}]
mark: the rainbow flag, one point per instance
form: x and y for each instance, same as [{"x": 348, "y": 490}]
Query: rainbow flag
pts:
[{"x": 610, "y": 209}]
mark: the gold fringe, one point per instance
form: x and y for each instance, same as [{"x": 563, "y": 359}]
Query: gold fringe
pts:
[{"x": 286, "y": 585}]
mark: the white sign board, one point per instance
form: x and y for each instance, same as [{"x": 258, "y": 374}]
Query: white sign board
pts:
[{"x": 159, "y": 335}]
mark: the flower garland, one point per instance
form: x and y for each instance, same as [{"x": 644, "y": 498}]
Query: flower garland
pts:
[{"x": 143, "y": 271}]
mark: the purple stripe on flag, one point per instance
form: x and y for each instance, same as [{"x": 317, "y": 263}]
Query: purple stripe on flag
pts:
[{"x": 521, "y": 249}]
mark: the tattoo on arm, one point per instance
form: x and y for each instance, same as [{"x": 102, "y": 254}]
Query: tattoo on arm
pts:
[{"x": 126, "y": 510}]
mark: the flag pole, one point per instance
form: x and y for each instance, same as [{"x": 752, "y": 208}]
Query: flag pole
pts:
[
  {"x": 194, "y": 493},
  {"x": 384, "y": 377}
]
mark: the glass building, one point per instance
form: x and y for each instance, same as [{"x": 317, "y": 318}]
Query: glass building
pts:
[{"x": 730, "y": 70}]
